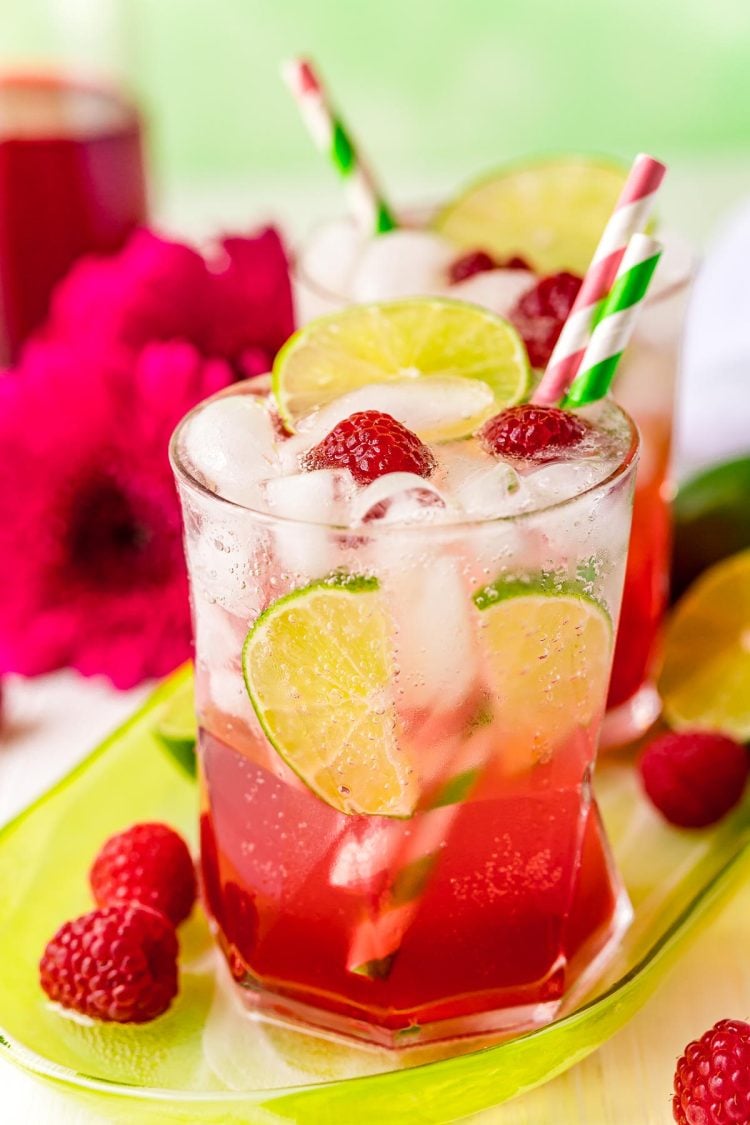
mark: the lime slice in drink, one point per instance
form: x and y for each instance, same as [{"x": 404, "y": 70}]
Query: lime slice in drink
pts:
[
  {"x": 548, "y": 648},
  {"x": 176, "y": 728},
  {"x": 550, "y": 212},
  {"x": 318, "y": 669},
  {"x": 408, "y": 340},
  {"x": 705, "y": 680}
]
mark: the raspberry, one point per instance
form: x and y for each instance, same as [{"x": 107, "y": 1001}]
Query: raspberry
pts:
[
  {"x": 479, "y": 261},
  {"x": 694, "y": 777},
  {"x": 712, "y": 1079},
  {"x": 476, "y": 261},
  {"x": 532, "y": 433},
  {"x": 540, "y": 313},
  {"x": 371, "y": 444},
  {"x": 117, "y": 964},
  {"x": 147, "y": 865}
]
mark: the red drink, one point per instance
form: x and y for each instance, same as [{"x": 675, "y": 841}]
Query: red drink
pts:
[
  {"x": 521, "y": 902},
  {"x": 645, "y": 386},
  {"x": 399, "y": 724},
  {"x": 71, "y": 182}
]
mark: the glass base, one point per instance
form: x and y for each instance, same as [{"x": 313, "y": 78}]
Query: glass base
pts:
[
  {"x": 499, "y": 1023},
  {"x": 631, "y": 719},
  {"x": 588, "y": 955}
]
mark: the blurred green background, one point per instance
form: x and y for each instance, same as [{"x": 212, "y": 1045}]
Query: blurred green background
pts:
[{"x": 438, "y": 90}]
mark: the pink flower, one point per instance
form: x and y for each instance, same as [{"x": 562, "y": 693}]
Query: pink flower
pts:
[
  {"x": 91, "y": 562},
  {"x": 237, "y": 304},
  {"x": 251, "y": 302}
]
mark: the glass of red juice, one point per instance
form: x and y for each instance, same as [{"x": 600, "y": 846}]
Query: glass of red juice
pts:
[
  {"x": 398, "y": 726},
  {"x": 71, "y": 183}
]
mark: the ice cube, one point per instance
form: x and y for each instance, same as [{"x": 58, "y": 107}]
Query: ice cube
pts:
[
  {"x": 231, "y": 445},
  {"x": 437, "y": 408},
  {"x": 306, "y": 552},
  {"x": 290, "y": 451},
  {"x": 402, "y": 263},
  {"x": 481, "y": 486},
  {"x": 321, "y": 496},
  {"x": 398, "y": 498},
  {"x": 430, "y": 602},
  {"x": 496, "y": 290},
  {"x": 330, "y": 256},
  {"x": 364, "y": 853}
]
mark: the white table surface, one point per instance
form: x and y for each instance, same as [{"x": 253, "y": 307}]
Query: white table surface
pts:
[{"x": 52, "y": 722}]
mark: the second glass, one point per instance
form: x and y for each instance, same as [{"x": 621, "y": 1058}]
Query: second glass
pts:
[{"x": 645, "y": 387}]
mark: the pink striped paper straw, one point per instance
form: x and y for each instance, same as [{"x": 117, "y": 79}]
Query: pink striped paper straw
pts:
[
  {"x": 630, "y": 215},
  {"x": 370, "y": 210}
]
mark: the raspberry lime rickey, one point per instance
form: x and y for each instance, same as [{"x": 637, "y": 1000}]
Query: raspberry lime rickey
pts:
[{"x": 405, "y": 607}]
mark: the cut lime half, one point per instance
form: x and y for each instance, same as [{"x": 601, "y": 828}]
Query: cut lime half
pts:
[
  {"x": 548, "y": 650},
  {"x": 319, "y": 673},
  {"x": 550, "y": 212},
  {"x": 177, "y": 729},
  {"x": 705, "y": 681},
  {"x": 393, "y": 341}
]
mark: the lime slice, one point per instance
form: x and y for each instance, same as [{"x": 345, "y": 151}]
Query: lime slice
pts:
[
  {"x": 712, "y": 520},
  {"x": 548, "y": 647},
  {"x": 318, "y": 670},
  {"x": 400, "y": 340},
  {"x": 706, "y": 675},
  {"x": 551, "y": 212},
  {"x": 177, "y": 728}
]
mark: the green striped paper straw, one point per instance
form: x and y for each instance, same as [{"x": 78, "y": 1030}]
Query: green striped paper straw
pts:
[
  {"x": 367, "y": 204},
  {"x": 614, "y": 321}
]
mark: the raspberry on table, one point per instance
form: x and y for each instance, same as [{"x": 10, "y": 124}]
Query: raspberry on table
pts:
[
  {"x": 694, "y": 777},
  {"x": 540, "y": 313},
  {"x": 118, "y": 964},
  {"x": 370, "y": 444},
  {"x": 712, "y": 1079},
  {"x": 148, "y": 865},
  {"x": 533, "y": 433}
]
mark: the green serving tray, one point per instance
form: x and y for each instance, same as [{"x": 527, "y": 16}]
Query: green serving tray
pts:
[{"x": 206, "y": 1061}]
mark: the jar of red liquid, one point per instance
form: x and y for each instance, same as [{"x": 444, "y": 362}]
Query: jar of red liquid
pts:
[{"x": 71, "y": 183}]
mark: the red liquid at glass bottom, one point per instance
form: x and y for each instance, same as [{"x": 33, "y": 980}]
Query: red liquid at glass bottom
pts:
[
  {"x": 71, "y": 183},
  {"x": 520, "y": 907}
]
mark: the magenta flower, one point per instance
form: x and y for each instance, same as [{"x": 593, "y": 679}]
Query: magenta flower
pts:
[
  {"x": 236, "y": 304},
  {"x": 91, "y": 564}
]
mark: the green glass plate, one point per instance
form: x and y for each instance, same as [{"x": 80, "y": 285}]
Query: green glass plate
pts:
[{"x": 205, "y": 1061}]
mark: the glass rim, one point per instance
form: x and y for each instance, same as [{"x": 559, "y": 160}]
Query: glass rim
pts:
[
  {"x": 124, "y": 116},
  {"x": 416, "y": 218},
  {"x": 625, "y": 465}
]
